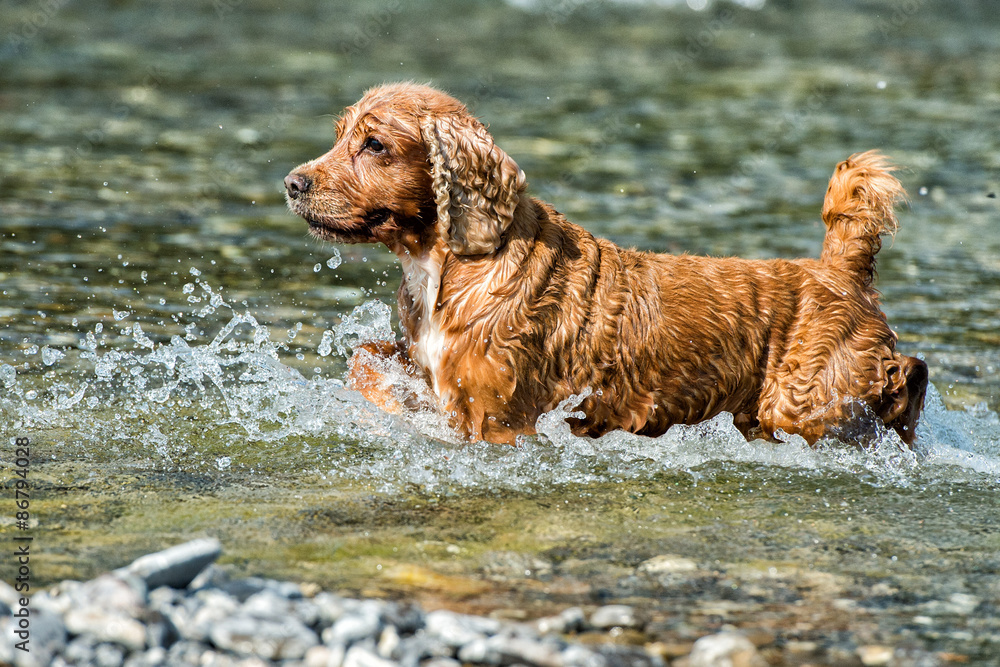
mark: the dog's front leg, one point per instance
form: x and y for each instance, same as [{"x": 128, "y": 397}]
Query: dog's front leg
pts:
[{"x": 384, "y": 374}]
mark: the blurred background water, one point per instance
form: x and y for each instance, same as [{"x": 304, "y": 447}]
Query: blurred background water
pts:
[{"x": 174, "y": 343}]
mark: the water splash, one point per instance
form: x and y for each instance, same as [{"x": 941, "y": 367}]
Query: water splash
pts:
[{"x": 234, "y": 400}]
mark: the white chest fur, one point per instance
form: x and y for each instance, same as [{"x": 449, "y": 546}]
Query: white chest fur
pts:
[{"x": 422, "y": 281}]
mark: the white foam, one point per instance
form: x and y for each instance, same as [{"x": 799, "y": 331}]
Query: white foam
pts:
[{"x": 238, "y": 392}]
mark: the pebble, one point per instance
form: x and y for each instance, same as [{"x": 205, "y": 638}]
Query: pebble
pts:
[
  {"x": 176, "y": 566},
  {"x": 271, "y": 639},
  {"x": 873, "y": 656},
  {"x": 725, "y": 649},
  {"x": 615, "y": 616}
]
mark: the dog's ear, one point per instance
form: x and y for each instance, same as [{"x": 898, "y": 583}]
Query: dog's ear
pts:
[{"x": 476, "y": 185}]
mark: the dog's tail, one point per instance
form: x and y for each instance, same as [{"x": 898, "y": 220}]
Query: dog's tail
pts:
[{"x": 858, "y": 210}]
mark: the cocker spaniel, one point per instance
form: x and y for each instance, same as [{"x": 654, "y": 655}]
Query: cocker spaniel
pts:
[{"x": 508, "y": 308}]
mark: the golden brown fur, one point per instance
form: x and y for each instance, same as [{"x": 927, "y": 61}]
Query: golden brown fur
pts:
[{"x": 508, "y": 308}]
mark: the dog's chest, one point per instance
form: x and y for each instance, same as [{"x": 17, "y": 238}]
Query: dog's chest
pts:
[{"x": 422, "y": 282}]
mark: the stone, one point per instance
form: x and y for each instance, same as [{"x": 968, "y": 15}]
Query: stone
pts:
[
  {"x": 441, "y": 662},
  {"x": 568, "y": 620},
  {"x": 665, "y": 565},
  {"x": 725, "y": 649},
  {"x": 412, "y": 650},
  {"x": 154, "y": 657},
  {"x": 615, "y": 615},
  {"x": 123, "y": 594},
  {"x": 284, "y": 639},
  {"x": 407, "y": 618},
  {"x": 581, "y": 656},
  {"x": 8, "y": 598},
  {"x": 108, "y": 655},
  {"x": 388, "y": 642},
  {"x": 176, "y": 566},
  {"x": 324, "y": 656},
  {"x": 358, "y": 656},
  {"x": 874, "y": 656},
  {"x": 353, "y": 628},
  {"x": 106, "y": 626},
  {"x": 459, "y": 629}
]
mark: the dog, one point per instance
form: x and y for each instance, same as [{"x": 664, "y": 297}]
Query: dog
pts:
[{"x": 508, "y": 308}]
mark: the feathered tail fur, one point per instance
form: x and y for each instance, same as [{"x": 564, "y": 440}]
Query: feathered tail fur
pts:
[{"x": 860, "y": 208}]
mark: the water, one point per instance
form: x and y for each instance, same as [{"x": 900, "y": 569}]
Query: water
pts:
[{"x": 174, "y": 344}]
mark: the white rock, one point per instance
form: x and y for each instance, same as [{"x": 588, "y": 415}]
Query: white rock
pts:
[
  {"x": 726, "y": 649},
  {"x": 459, "y": 629},
  {"x": 104, "y": 626},
  {"x": 285, "y": 639},
  {"x": 666, "y": 564},
  {"x": 615, "y": 615},
  {"x": 358, "y": 656}
]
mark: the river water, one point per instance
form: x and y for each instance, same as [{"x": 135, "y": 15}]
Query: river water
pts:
[{"x": 174, "y": 344}]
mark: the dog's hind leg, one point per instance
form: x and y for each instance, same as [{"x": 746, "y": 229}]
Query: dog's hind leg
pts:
[{"x": 903, "y": 406}]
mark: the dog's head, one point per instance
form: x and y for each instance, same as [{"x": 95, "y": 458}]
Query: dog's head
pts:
[{"x": 410, "y": 164}]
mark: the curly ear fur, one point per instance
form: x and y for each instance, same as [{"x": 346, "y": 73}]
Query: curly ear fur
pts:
[{"x": 476, "y": 185}]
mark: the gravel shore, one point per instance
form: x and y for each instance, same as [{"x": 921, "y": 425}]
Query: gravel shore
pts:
[{"x": 176, "y": 607}]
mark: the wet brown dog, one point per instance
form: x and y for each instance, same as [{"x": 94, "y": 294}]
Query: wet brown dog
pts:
[{"x": 509, "y": 308}]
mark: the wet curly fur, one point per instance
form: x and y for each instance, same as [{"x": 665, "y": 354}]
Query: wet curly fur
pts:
[{"x": 508, "y": 308}]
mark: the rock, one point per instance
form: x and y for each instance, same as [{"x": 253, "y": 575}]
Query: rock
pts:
[
  {"x": 106, "y": 626},
  {"x": 504, "y": 565},
  {"x": 568, "y": 620},
  {"x": 581, "y": 656},
  {"x": 873, "y": 656},
  {"x": 8, "y": 598},
  {"x": 479, "y": 650},
  {"x": 80, "y": 651},
  {"x": 726, "y": 649},
  {"x": 667, "y": 564},
  {"x": 124, "y": 594},
  {"x": 353, "y": 628},
  {"x": 506, "y": 649},
  {"x": 154, "y": 657},
  {"x": 412, "y": 650},
  {"x": 108, "y": 655},
  {"x": 284, "y": 639},
  {"x": 459, "y": 629},
  {"x": 195, "y": 617},
  {"x": 406, "y": 618},
  {"x": 388, "y": 642},
  {"x": 441, "y": 662},
  {"x": 615, "y": 615},
  {"x": 46, "y": 641},
  {"x": 187, "y": 653},
  {"x": 358, "y": 656},
  {"x": 176, "y": 566},
  {"x": 324, "y": 656}
]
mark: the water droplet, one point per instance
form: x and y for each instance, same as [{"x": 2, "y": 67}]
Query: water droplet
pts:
[
  {"x": 317, "y": 268},
  {"x": 51, "y": 356},
  {"x": 8, "y": 375},
  {"x": 334, "y": 261}
]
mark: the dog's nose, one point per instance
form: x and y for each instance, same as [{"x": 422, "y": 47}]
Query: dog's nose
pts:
[{"x": 297, "y": 184}]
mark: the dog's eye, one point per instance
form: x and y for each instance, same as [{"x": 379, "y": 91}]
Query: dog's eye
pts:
[{"x": 374, "y": 145}]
